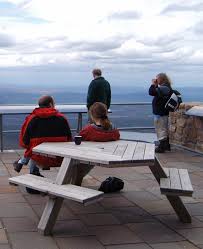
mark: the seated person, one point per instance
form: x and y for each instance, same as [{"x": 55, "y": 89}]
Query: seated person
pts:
[
  {"x": 44, "y": 124},
  {"x": 101, "y": 130}
]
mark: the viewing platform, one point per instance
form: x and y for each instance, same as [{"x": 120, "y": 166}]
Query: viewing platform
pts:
[{"x": 138, "y": 217}]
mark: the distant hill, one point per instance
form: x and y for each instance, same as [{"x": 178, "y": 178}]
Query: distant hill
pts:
[{"x": 14, "y": 95}]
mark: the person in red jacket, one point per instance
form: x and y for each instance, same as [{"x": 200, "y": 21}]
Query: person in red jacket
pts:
[
  {"x": 101, "y": 130},
  {"x": 44, "y": 124}
]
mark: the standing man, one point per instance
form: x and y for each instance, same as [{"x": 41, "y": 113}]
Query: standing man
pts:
[{"x": 99, "y": 90}]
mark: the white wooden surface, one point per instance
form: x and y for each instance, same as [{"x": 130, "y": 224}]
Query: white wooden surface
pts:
[
  {"x": 106, "y": 153},
  {"x": 177, "y": 183},
  {"x": 68, "y": 191}
]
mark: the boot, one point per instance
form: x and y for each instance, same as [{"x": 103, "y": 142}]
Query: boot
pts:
[
  {"x": 167, "y": 144},
  {"x": 34, "y": 191},
  {"x": 161, "y": 147},
  {"x": 17, "y": 166}
]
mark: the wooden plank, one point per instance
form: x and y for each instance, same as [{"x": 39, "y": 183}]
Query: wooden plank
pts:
[
  {"x": 129, "y": 152},
  {"x": 149, "y": 151},
  {"x": 69, "y": 191},
  {"x": 49, "y": 215},
  {"x": 139, "y": 151},
  {"x": 179, "y": 208},
  {"x": 120, "y": 150},
  {"x": 65, "y": 172},
  {"x": 166, "y": 170},
  {"x": 175, "y": 179},
  {"x": 165, "y": 183},
  {"x": 53, "y": 206},
  {"x": 185, "y": 180},
  {"x": 77, "y": 154}
]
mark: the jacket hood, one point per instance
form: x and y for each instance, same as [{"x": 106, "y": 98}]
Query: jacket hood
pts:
[{"x": 44, "y": 112}]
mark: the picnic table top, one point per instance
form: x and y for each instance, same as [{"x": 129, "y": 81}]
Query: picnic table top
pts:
[{"x": 102, "y": 153}]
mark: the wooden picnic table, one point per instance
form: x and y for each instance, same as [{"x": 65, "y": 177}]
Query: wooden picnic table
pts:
[{"x": 89, "y": 154}]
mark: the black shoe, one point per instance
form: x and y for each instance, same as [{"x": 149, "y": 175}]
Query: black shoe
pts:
[
  {"x": 34, "y": 191},
  {"x": 17, "y": 166},
  {"x": 37, "y": 174},
  {"x": 161, "y": 147}
]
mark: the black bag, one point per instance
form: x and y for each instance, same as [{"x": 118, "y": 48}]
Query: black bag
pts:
[
  {"x": 174, "y": 101},
  {"x": 111, "y": 184}
]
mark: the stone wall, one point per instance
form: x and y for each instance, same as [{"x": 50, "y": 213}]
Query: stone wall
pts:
[{"x": 186, "y": 130}]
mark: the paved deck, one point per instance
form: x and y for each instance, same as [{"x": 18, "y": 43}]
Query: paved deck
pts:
[{"x": 137, "y": 218}]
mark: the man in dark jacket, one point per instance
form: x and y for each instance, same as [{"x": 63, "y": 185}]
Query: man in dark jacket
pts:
[
  {"x": 44, "y": 124},
  {"x": 99, "y": 90}
]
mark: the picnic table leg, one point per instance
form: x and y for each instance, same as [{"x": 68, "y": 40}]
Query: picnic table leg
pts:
[
  {"x": 54, "y": 204},
  {"x": 179, "y": 208},
  {"x": 175, "y": 201},
  {"x": 81, "y": 171}
]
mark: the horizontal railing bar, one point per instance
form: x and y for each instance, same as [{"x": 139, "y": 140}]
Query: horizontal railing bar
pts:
[
  {"x": 16, "y": 131},
  {"x": 117, "y": 103},
  {"x": 120, "y": 128},
  {"x": 136, "y": 128}
]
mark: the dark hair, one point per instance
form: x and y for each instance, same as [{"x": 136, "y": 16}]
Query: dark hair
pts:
[
  {"x": 45, "y": 101},
  {"x": 99, "y": 111},
  {"x": 97, "y": 72}
]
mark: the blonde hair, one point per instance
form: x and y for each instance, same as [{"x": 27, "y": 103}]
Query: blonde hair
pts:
[
  {"x": 165, "y": 78},
  {"x": 99, "y": 111}
]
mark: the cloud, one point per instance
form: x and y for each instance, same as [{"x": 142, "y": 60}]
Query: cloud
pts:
[
  {"x": 6, "y": 41},
  {"x": 197, "y": 7},
  {"x": 125, "y": 15},
  {"x": 69, "y": 36},
  {"x": 198, "y": 28}
]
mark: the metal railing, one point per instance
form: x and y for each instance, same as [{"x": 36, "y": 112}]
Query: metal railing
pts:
[{"x": 79, "y": 119}]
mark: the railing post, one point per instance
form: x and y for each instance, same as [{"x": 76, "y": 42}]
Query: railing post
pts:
[
  {"x": 79, "y": 126},
  {"x": 1, "y": 132}
]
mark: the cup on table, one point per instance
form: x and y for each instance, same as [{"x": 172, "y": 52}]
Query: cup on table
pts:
[{"x": 78, "y": 139}]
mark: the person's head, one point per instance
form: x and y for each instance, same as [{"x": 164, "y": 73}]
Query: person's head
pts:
[
  {"x": 99, "y": 115},
  {"x": 163, "y": 78},
  {"x": 46, "y": 102},
  {"x": 96, "y": 72}
]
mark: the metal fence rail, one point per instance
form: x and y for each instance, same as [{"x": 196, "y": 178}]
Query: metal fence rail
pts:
[{"x": 78, "y": 113}]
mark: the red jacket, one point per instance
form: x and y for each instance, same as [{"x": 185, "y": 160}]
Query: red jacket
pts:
[
  {"x": 94, "y": 133},
  {"x": 44, "y": 125}
]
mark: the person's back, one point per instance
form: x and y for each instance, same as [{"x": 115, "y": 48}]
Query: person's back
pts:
[
  {"x": 45, "y": 124},
  {"x": 101, "y": 130},
  {"x": 99, "y": 90}
]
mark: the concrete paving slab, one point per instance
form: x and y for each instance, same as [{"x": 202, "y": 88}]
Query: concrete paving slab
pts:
[
  {"x": 79, "y": 243},
  {"x": 154, "y": 232}
]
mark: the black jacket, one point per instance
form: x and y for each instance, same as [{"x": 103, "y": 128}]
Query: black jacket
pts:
[
  {"x": 99, "y": 91},
  {"x": 161, "y": 95}
]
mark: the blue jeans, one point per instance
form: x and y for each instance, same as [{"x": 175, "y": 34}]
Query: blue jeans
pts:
[
  {"x": 24, "y": 160},
  {"x": 33, "y": 167}
]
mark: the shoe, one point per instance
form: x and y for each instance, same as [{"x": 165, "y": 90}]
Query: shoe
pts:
[
  {"x": 167, "y": 144},
  {"x": 37, "y": 174},
  {"x": 17, "y": 166},
  {"x": 34, "y": 191},
  {"x": 161, "y": 147}
]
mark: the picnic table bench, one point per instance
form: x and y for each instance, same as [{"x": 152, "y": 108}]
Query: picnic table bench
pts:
[{"x": 108, "y": 154}]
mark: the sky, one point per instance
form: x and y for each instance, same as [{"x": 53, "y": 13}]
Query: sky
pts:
[{"x": 57, "y": 43}]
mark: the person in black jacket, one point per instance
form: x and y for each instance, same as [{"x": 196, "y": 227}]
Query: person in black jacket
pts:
[
  {"x": 161, "y": 90},
  {"x": 99, "y": 90}
]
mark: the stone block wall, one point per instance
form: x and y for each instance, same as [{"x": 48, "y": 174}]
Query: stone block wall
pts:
[{"x": 186, "y": 130}]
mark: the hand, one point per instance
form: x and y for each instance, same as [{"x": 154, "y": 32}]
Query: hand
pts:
[{"x": 154, "y": 82}]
